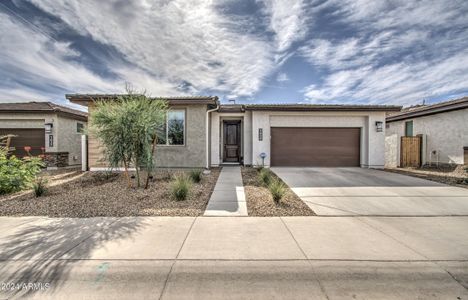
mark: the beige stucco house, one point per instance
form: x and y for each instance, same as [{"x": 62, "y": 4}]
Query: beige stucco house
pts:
[
  {"x": 47, "y": 129},
  {"x": 212, "y": 134},
  {"x": 443, "y": 128}
]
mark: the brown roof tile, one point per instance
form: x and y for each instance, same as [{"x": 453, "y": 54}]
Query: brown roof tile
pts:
[
  {"x": 41, "y": 107},
  {"x": 83, "y": 99},
  {"x": 424, "y": 110},
  {"x": 321, "y": 107}
]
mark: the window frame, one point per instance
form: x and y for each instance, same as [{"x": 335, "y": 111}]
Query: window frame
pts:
[
  {"x": 412, "y": 128},
  {"x": 167, "y": 129},
  {"x": 82, "y": 128}
]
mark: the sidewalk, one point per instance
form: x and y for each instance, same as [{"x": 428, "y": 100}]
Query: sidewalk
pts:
[
  {"x": 228, "y": 197},
  {"x": 223, "y": 257}
]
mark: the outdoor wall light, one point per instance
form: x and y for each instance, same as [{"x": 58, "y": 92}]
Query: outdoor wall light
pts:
[
  {"x": 48, "y": 127},
  {"x": 379, "y": 126}
]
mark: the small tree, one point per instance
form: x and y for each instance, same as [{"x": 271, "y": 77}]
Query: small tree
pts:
[{"x": 128, "y": 129}]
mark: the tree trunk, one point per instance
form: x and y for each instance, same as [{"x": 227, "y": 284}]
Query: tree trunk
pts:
[
  {"x": 129, "y": 183},
  {"x": 148, "y": 172},
  {"x": 137, "y": 172}
]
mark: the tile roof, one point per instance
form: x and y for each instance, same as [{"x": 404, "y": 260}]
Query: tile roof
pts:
[
  {"x": 83, "y": 98},
  {"x": 41, "y": 107},
  {"x": 321, "y": 107},
  {"x": 424, "y": 110}
]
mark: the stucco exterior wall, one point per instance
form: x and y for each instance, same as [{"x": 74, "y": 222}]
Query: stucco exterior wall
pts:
[
  {"x": 69, "y": 140},
  {"x": 446, "y": 133},
  {"x": 372, "y": 142},
  {"x": 65, "y": 138},
  {"x": 192, "y": 154}
]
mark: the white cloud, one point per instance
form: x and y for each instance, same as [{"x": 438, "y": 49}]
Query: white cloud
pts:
[
  {"x": 402, "y": 52},
  {"x": 287, "y": 21},
  {"x": 38, "y": 61},
  {"x": 174, "y": 41},
  {"x": 282, "y": 77},
  {"x": 398, "y": 83}
]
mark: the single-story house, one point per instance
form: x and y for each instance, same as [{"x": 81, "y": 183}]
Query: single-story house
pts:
[
  {"x": 262, "y": 134},
  {"x": 46, "y": 129},
  {"x": 442, "y": 128}
]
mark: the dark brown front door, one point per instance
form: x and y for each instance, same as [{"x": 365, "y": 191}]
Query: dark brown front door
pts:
[
  {"x": 315, "y": 147},
  {"x": 231, "y": 141}
]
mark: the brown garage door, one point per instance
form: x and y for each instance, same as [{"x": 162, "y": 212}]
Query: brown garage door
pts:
[
  {"x": 315, "y": 147},
  {"x": 32, "y": 137}
]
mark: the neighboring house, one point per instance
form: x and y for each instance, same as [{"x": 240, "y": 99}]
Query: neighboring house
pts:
[
  {"x": 49, "y": 129},
  {"x": 443, "y": 128},
  {"x": 273, "y": 135}
]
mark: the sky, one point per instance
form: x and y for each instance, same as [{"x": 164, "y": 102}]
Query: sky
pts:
[{"x": 254, "y": 51}]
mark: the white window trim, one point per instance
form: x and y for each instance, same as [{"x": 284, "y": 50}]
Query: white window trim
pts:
[{"x": 167, "y": 127}]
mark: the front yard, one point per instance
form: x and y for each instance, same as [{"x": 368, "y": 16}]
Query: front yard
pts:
[
  {"x": 260, "y": 202},
  {"x": 456, "y": 175},
  {"x": 106, "y": 194}
]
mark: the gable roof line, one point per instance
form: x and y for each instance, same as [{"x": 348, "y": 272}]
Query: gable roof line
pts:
[
  {"x": 42, "y": 107},
  {"x": 321, "y": 107},
  {"x": 83, "y": 99},
  {"x": 437, "y": 108}
]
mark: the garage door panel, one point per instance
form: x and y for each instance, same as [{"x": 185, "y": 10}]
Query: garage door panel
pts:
[
  {"x": 320, "y": 147},
  {"x": 31, "y": 137}
]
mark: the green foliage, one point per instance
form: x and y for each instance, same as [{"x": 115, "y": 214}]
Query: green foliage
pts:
[
  {"x": 39, "y": 186},
  {"x": 196, "y": 175},
  {"x": 265, "y": 176},
  {"x": 277, "y": 189},
  {"x": 180, "y": 187},
  {"x": 127, "y": 127},
  {"x": 17, "y": 174}
]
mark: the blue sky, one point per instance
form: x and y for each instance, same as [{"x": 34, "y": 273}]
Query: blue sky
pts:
[{"x": 259, "y": 51}]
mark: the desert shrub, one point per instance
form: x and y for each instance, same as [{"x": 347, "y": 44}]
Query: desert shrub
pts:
[
  {"x": 277, "y": 189},
  {"x": 17, "y": 174},
  {"x": 39, "y": 186},
  {"x": 196, "y": 175},
  {"x": 265, "y": 177},
  {"x": 180, "y": 187}
]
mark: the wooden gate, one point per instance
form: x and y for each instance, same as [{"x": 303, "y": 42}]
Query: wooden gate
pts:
[{"x": 410, "y": 155}]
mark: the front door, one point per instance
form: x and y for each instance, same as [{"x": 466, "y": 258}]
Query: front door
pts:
[{"x": 231, "y": 141}]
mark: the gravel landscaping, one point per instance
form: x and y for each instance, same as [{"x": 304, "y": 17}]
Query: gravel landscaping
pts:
[
  {"x": 451, "y": 175},
  {"x": 94, "y": 194},
  {"x": 260, "y": 202}
]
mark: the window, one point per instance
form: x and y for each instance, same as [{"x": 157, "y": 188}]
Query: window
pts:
[
  {"x": 173, "y": 131},
  {"x": 409, "y": 128},
  {"x": 79, "y": 128}
]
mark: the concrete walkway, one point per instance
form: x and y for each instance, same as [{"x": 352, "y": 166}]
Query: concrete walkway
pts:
[
  {"x": 228, "y": 198},
  {"x": 236, "y": 258}
]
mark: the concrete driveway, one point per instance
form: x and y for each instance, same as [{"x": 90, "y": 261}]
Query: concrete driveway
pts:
[{"x": 357, "y": 191}]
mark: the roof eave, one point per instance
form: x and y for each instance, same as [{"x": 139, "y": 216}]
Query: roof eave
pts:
[
  {"x": 427, "y": 112},
  {"x": 86, "y": 99},
  {"x": 337, "y": 108}
]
